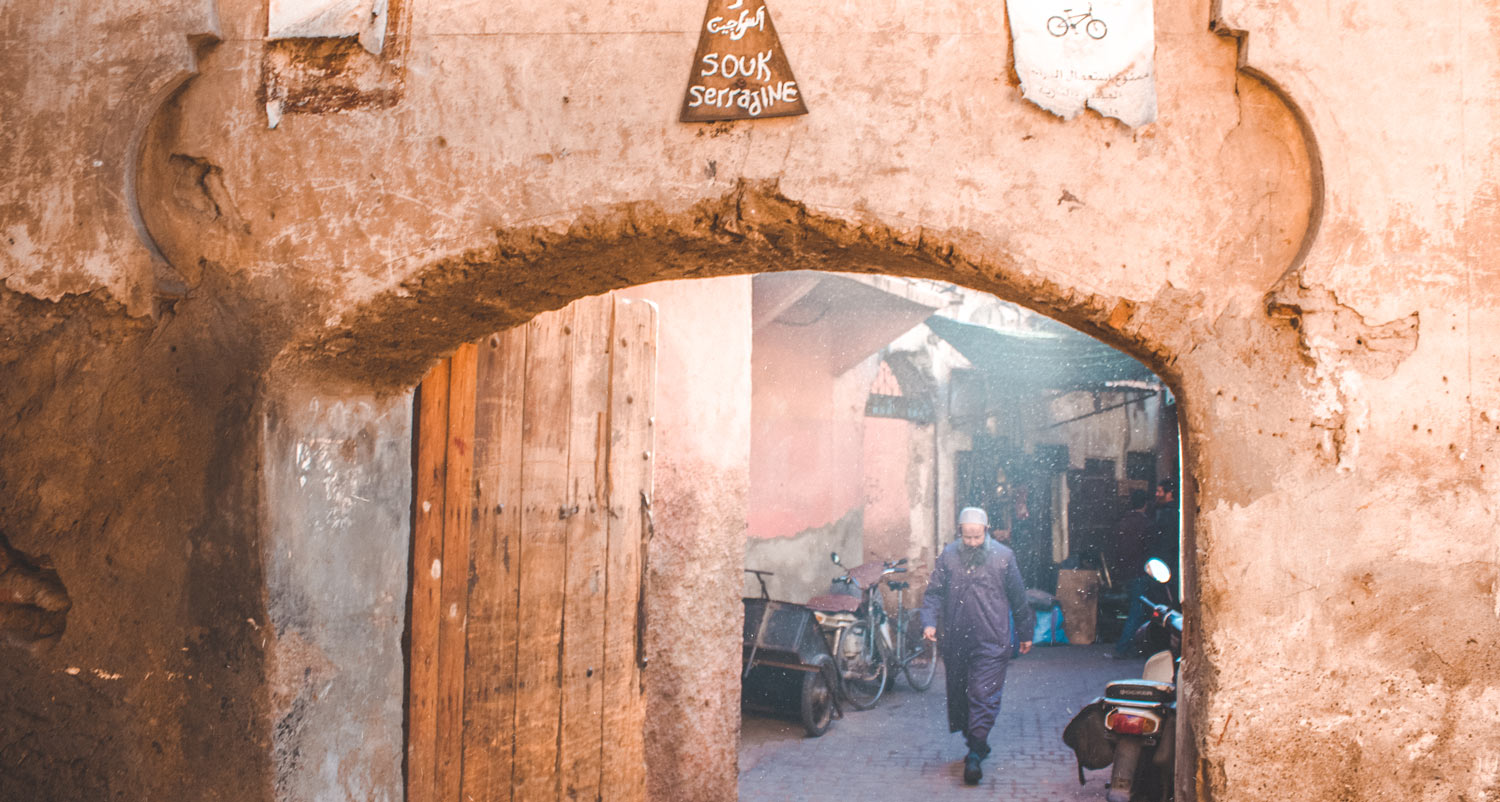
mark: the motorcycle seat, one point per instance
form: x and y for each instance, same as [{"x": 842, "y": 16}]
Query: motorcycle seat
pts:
[
  {"x": 1140, "y": 691},
  {"x": 833, "y": 603},
  {"x": 899, "y": 585}
]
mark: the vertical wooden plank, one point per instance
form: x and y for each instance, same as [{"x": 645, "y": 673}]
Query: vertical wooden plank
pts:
[
  {"x": 426, "y": 597},
  {"x": 490, "y": 668},
  {"x": 587, "y": 546},
  {"x": 453, "y": 612},
  {"x": 630, "y": 459},
  {"x": 544, "y": 476}
]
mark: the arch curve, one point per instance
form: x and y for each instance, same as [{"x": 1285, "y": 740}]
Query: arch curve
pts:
[{"x": 388, "y": 342}]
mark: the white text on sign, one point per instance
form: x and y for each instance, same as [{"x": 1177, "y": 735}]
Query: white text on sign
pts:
[
  {"x": 732, "y": 66},
  {"x": 753, "y": 101},
  {"x": 737, "y": 28}
]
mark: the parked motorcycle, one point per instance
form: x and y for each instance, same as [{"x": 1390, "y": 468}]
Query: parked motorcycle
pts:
[
  {"x": 869, "y": 645},
  {"x": 1133, "y": 726}
]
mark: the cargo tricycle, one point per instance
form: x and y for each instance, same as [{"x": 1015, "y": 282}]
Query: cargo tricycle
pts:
[{"x": 788, "y": 666}]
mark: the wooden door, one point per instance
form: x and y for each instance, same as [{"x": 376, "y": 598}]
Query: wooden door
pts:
[{"x": 534, "y": 460}]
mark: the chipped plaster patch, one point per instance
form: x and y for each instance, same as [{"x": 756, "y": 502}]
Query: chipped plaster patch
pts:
[
  {"x": 1342, "y": 348},
  {"x": 1421, "y": 747}
]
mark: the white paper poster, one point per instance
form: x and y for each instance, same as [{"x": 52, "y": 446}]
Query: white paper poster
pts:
[
  {"x": 330, "y": 19},
  {"x": 1072, "y": 54}
]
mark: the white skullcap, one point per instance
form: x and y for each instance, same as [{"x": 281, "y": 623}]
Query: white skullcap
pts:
[{"x": 973, "y": 515}]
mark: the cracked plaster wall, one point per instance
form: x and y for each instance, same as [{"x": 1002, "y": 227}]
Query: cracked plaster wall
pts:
[{"x": 1341, "y": 423}]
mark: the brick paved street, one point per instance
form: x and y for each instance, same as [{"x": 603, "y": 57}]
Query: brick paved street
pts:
[{"x": 902, "y": 751}]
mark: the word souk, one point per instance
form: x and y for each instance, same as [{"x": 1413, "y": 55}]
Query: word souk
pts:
[
  {"x": 729, "y": 65},
  {"x": 753, "y": 101}
]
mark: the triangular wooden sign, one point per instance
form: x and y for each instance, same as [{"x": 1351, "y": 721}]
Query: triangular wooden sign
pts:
[{"x": 740, "y": 71}]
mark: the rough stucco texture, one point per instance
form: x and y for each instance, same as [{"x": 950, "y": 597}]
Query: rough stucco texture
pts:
[
  {"x": 1310, "y": 269},
  {"x": 696, "y": 555},
  {"x": 126, "y": 458}
]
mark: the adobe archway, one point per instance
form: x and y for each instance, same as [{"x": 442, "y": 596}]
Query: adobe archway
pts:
[
  {"x": 384, "y": 346},
  {"x": 1161, "y": 242}
]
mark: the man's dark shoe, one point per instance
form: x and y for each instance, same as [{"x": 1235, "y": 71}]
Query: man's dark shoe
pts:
[{"x": 972, "y": 772}]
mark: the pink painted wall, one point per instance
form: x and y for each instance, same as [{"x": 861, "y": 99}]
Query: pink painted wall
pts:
[
  {"x": 886, "y": 458},
  {"x": 807, "y": 436}
]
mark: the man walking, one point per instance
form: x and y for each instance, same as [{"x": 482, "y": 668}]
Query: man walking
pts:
[{"x": 975, "y": 592}]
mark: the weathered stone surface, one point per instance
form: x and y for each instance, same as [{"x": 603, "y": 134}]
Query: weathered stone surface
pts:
[
  {"x": 128, "y": 460},
  {"x": 81, "y": 84},
  {"x": 34, "y": 602}
]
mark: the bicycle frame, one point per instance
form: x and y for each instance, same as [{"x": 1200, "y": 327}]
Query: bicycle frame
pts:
[
  {"x": 897, "y": 652},
  {"x": 875, "y": 617},
  {"x": 901, "y": 658}
]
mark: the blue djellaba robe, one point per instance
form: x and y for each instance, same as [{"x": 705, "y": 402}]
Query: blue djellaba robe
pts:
[{"x": 972, "y": 608}]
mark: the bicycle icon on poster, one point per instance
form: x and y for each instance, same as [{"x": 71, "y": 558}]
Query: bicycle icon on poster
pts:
[{"x": 1068, "y": 21}]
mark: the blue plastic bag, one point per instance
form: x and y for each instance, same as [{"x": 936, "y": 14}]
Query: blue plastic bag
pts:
[{"x": 1049, "y": 627}]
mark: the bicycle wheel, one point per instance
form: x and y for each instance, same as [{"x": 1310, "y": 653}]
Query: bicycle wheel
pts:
[
  {"x": 1057, "y": 26},
  {"x": 921, "y": 658},
  {"x": 1096, "y": 28},
  {"x": 861, "y": 666}
]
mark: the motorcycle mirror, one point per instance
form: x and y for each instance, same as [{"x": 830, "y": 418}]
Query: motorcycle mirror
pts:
[
  {"x": 1159, "y": 571},
  {"x": 835, "y": 557}
]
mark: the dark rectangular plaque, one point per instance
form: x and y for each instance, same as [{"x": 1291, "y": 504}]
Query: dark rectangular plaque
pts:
[{"x": 916, "y": 410}]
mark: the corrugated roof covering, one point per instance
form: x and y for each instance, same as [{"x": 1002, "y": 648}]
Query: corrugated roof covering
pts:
[{"x": 1041, "y": 360}]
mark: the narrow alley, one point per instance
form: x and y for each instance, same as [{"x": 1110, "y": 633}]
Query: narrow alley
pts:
[{"x": 901, "y": 751}]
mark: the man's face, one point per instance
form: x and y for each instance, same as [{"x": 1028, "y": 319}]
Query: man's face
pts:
[{"x": 972, "y": 534}]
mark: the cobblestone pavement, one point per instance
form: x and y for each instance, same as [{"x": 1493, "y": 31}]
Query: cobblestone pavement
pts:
[{"x": 901, "y": 751}]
